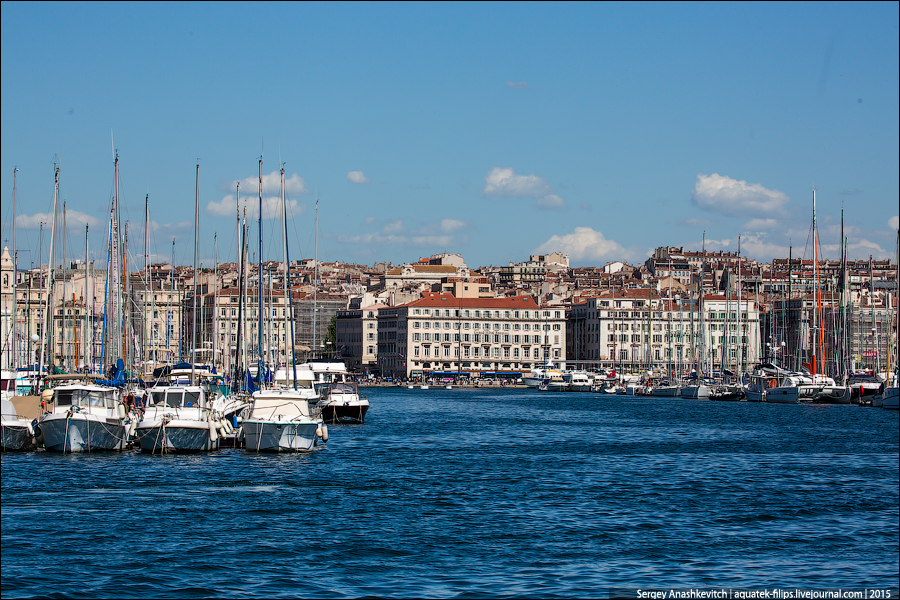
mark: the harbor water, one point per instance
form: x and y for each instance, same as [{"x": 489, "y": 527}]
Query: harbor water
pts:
[{"x": 474, "y": 492}]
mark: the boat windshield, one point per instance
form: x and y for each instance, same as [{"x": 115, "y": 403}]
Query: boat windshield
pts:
[
  {"x": 174, "y": 398},
  {"x": 341, "y": 388},
  {"x": 81, "y": 397},
  {"x": 192, "y": 398},
  {"x": 157, "y": 398}
]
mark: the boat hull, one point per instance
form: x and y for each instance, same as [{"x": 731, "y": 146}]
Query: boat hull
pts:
[
  {"x": 696, "y": 392},
  {"x": 344, "y": 413},
  {"x": 15, "y": 436},
  {"x": 176, "y": 437},
  {"x": 890, "y": 398},
  {"x": 81, "y": 432},
  {"x": 279, "y": 436}
]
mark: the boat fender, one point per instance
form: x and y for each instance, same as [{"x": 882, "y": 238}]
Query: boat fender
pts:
[
  {"x": 30, "y": 428},
  {"x": 131, "y": 427},
  {"x": 239, "y": 420},
  {"x": 228, "y": 428},
  {"x": 121, "y": 410},
  {"x": 325, "y": 433},
  {"x": 220, "y": 427},
  {"x": 319, "y": 431},
  {"x": 213, "y": 436}
]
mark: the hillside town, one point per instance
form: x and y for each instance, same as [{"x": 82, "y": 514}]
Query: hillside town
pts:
[{"x": 681, "y": 310}]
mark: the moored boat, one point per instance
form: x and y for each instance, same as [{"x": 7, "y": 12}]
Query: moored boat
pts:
[
  {"x": 84, "y": 417},
  {"x": 280, "y": 420},
  {"x": 16, "y": 432}
]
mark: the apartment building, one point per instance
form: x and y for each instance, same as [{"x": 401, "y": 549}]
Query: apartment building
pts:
[
  {"x": 638, "y": 330},
  {"x": 443, "y": 333}
]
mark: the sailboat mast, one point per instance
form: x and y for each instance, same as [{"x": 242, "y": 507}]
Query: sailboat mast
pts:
[
  {"x": 196, "y": 286},
  {"x": 88, "y": 297},
  {"x": 215, "y": 316},
  {"x": 701, "y": 362},
  {"x": 287, "y": 279},
  {"x": 818, "y": 316},
  {"x": 14, "y": 361},
  {"x": 259, "y": 281},
  {"x": 147, "y": 285},
  {"x": 48, "y": 283},
  {"x": 316, "y": 281}
]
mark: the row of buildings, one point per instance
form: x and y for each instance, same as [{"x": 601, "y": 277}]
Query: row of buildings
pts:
[{"x": 679, "y": 310}]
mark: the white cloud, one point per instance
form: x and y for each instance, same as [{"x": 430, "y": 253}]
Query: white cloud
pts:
[
  {"x": 429, "y": 234},
  {"x": 550, "y": 201},
  {"x": 519, "y": 85},
  {"x": 357, "y": 177},
  {"x": 757, "y": 224},
  {"x": 74, "y": 218},
  {"x": 451, "y": 225},
  {"x": 227, "y": 207},
  {"x": 583, "y": 244},
  {"x": 504, "y": 181},
  {"x": 894, "y": 222},
  {"x": 271, "y": 187},
  {"x": 393, "y": 227},
  {"x": 728, "y": 196},
  {"x": 432, "y": 240}
]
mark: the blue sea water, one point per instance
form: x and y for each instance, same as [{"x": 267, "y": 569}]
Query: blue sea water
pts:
[{"x": 473, "y": 493}]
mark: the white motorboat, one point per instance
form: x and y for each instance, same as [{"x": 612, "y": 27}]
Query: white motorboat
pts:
[
  {"x": 341, "y": 402},
  {"x": 863, "y": 387},
  {"x": 16, "y": 432},
  {"x": 538, "y": 374},
  {"x": 280, "y": 420},
  {"x": 84, "y": 417},
  {"x": 182, "y": 418},
  {"x": 339, "y": 399},
  {"x": 579, "y": 381},
  {"x": 803, "y": 387}
]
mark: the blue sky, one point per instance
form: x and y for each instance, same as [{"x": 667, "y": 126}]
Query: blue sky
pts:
[{"x": 491, "y": 130}]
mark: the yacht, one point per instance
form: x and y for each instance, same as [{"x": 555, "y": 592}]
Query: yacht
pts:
[
  {"x": 539, "y": 374},
  {"x": 280, "y": 420},
  {"x": 339, "y": 399},
  {"x": 83, "y": 416},
  {"x": 863, "y": 387},
  {"x": 181, "y": 417},
  {"x": 580, "y": 381}
]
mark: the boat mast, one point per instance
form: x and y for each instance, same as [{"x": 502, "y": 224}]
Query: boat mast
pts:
[
  {"x": 316, "y": 280},
  {"x": 737, "y": 318},
  {"x": 87, "y": 298},
  {"x": 14, "y": 361},
  {"x": 215, "y": 316},
  {"x": 147, "y": 286},
  {"x": 701, "y": 361},
  {"x": 259, "y": 326},
  {"x": 196, "y": 286},
  {"x": 48, "y": 283},
  {"x": 818, "y": 316},
  {"x": 287, "y": 278}
]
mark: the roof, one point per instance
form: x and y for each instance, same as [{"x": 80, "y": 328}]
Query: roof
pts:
[
  {"x": 431, "y": 299},
  {"x": 424, "y": 269}
]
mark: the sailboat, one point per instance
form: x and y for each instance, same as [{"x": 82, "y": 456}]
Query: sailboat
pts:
[
  {"x": 280, "y": 419},
  {"x": 85, "y": 414},
  {"x": 812, "y": 386},
  {"x": 185, "y": 415}
]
